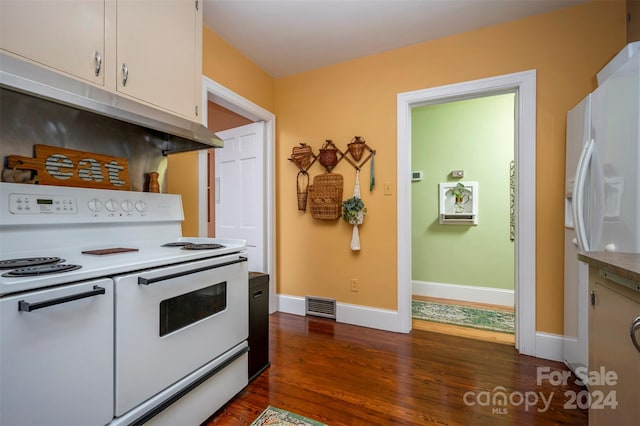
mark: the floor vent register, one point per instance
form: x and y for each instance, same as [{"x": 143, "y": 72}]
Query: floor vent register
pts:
[{"x": 320, "y": 307}]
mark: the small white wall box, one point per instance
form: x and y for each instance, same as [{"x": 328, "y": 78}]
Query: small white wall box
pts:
[
  {"x": 461, "y": 210},
  {"x": 416, "y": 176}
]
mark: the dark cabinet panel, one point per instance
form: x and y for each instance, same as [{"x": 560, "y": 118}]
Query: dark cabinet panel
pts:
[{"x": 258, "y": 323}]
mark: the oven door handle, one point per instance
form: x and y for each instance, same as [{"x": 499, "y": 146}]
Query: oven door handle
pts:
[
  {"x": 147, "y": 281},
  {"x": 25, "y": 306}
]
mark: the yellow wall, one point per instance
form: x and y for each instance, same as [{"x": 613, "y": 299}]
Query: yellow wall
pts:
[
  {"x": 567, "y": 48},
  {"x": 228, "y": 67},
  {"x": 182, "y": 178}
]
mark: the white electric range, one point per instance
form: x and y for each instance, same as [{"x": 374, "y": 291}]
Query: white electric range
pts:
[{"x": 102, "y": 296}]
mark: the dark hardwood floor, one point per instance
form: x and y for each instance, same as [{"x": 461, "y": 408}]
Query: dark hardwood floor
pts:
[{"x": 341, "y": 374}]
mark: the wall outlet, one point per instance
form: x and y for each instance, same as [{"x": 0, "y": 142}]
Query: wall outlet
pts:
[{"x": 354, "y": 284}]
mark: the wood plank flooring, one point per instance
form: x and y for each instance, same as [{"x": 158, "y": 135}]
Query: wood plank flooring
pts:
[{"x": 341, "y": 374}]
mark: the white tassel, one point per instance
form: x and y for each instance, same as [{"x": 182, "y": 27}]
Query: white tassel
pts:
[
  {"x": 355, "y": 236},
  {"x": 355, "y": 239}
]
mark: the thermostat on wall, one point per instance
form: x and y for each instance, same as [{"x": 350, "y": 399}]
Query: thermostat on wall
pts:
[{"x": 416, "y": 176}]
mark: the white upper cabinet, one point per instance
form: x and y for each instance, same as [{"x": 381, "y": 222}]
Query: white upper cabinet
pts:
[
  {"x": 68, "y": 36},
  {"x": 158, "y": 53},
  {"x": 150, "y": 51}
]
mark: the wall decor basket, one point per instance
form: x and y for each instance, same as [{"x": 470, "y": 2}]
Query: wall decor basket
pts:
[
  {"x": 356, "y": 147},
  {"x": 328, "y": 156},
  {"x": 301, "y": 156},
  {"x": 325, "y": 196},
  {"x": 302, "y": 189}
]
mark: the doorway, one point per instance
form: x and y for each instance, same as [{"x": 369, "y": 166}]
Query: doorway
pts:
[
  {"x": 220, "y": 95},
  {"x": 524, "y": 85},
  {"x": 463, "y": 266}
]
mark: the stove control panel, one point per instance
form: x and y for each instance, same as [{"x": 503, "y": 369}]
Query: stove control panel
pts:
[{"x": 37, "y": 204}]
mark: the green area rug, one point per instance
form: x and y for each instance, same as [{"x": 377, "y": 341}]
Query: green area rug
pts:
[
  {"x": 481, "y": 318},
  {"x": 273, "y": 416}
]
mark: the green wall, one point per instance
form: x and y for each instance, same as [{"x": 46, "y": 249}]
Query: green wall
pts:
[{"x": 477, "y": 136}]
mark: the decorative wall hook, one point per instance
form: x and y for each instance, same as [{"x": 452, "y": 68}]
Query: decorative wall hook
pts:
[{"x": 330, "y": 155}]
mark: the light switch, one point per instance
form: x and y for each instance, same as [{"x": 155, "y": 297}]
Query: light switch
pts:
[{"x": 388, "y": 188}]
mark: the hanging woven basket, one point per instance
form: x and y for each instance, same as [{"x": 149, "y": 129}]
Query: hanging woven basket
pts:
[
  {"x": 302, "y": 187},
  {"x": 301, "y": 156},
  {"x": 328, "y": 156},
  {"x": 325, "y": 196},
  {"x": 356, "y": 147}
]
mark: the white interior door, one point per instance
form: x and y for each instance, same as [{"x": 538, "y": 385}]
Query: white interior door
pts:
[{"x": 240, "y": 188}]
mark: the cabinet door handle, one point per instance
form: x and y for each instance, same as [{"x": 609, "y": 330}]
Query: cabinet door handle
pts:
[
  {"x": 125, "y": 74},
  {"x": 98, "y": 58},
  {"x": 635, "y": 325},
  {"x": 25, "y": 306}
]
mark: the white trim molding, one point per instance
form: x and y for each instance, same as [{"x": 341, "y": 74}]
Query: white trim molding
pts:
[
  {"x": 217, "y": 93},
  {"x": 203, "y": 197},
  {"x": 550, "y": 346},
  {"x": 524, "y": 85},
  {"x": 363, "y": 316},
  {"x": 466, "y": 293}
]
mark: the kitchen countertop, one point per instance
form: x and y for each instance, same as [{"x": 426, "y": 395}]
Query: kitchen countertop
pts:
[{"x": 625, "y": 265}]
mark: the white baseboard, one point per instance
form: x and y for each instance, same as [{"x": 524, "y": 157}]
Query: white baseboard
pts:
[
  {"x": 467, "y": 293},
  {"x": 364, "y": 316},
  {"x": 550, "y": 346},
  {"x": 291, "y": 304}
]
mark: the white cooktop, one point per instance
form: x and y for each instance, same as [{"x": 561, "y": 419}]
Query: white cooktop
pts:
[{"x": 52, "y": 221}]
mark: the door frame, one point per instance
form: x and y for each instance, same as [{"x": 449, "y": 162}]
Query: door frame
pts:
[
  {"x": 524, "y": 84},
  {"x": 217, "y": 93}
]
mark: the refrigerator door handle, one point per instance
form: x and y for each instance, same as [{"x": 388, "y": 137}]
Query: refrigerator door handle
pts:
[{"x": 578, "y": 195}]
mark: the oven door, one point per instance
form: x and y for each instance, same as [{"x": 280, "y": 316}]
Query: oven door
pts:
[
  {"x": 56, "y": 355},
  {"x": 171, "y": 321}
]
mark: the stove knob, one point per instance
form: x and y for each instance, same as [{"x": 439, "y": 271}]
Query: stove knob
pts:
[
  {"x": 111, "y": 205},
  {"x": 141, "y": 206},
  {"x": 94, "y": 205},
  {"x": 127, "y": 206}
]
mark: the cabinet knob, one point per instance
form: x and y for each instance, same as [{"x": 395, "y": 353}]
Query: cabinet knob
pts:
[
  {"x": 125, "y": 74},
  {"x": 98, "y": 59},
  {"x": 635, "y": 325}
]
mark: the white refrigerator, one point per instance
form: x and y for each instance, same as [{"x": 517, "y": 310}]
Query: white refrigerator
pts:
[{"x": 602, "y": 188}]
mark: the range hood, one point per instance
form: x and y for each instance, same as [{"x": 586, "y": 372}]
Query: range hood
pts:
[{"x": 31, "y": 79}]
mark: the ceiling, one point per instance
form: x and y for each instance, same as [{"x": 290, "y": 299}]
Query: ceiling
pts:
[{"x": 285, "y": 37}]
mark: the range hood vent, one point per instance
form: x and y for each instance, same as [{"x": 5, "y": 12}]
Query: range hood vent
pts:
[{"x": 31, "y": 79}]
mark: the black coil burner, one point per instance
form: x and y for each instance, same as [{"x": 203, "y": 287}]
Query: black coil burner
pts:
[
  {"x": 177, "y": 244},
  {"x": 204, "y": 246},
  {"x": 33, "y": 266},
  {"x": 30, "y": 271},
  {"x": 28, "y": 261},
  {"x": 188, "y": 245}
]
